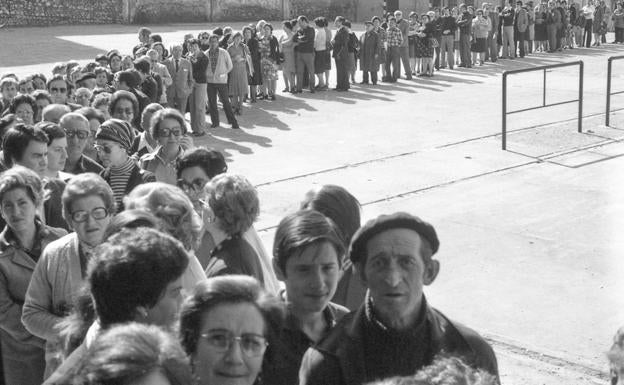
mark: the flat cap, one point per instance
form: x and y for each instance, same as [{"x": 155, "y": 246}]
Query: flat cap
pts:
[{"x": 399, "y": 220}]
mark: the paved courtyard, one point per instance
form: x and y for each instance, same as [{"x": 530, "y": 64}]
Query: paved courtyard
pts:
[{"x": 531, "y": 242}]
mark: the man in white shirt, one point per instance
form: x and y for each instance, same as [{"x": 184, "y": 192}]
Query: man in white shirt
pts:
[{"x": 588, "y": 12}]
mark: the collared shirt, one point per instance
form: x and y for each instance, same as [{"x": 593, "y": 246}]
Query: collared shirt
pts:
[
  {"x": 84, "y": 164},
  {"x": 11, "y": 240},
  {"x": 164, "y": 170},
  {"x": 213, "y": 57},
  {"x": 395, "y": 38},
  {"x": 286, "y": 350}
]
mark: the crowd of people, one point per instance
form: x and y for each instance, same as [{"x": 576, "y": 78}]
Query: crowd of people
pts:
[{"x": 129, "y": 256}]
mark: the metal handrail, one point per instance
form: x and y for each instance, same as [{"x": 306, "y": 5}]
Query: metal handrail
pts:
[
  {"x": 609, "y": 93},
  {"x": 544, "y": 105}
]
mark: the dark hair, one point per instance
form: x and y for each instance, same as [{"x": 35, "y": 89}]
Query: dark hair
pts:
[
  {"x": 319, "y": 21},
  {"x": 92, "y": 113},
  {"x": 143, "y": 65},
  {"x": 347, "y": 23},
  {"x": 376, "y": 18},
  {"x": 145, "y": 31},
  {"x": 131, "y": 219},
  {"x": 302, "y": 18},
  {"x": 336, "y": 203},
  {"x": 38, "y": 76},
  {"x": 287, "y": 24},
  {"x": 301, "y": 229},
  {"x": 17, "y": 138},
  {"x": 166, "y": 113},
  {"x": 156, "y": 38},
  {"x": 269, "y": 25},
  {"x": 123, "y": 95},
  {"x": 6, "y": 121},
  {"x": 231, "y": 289},
  {"x": 341, "y": 19},
  {"x": 128, "y": 76},
  {"x": 22, "y": 99},
  {"x": 52, "y": 130},
  {"x": 42, "y": 94},
  {"x": 56, "y": 78},
  {"x": 131, "y": 351},
  {"x": 211, "y": 161},
  {"x": 193, "y": 41},
  {"x": 132, "y": 269}
]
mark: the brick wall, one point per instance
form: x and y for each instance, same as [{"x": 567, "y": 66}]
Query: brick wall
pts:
[{"x": 58, "y": 12}]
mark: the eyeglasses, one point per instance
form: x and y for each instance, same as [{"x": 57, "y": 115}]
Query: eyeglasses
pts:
[
  {"x": 252, "y": 345},
  {"x": 80, "y": 134},
  {"x": 167, "y": 132},
  {"x": 104, "y": 149},
  {"x": 196, "y": 184},
  {"x": 82, "y": 215},
  {"x": 61, "y": 90}
]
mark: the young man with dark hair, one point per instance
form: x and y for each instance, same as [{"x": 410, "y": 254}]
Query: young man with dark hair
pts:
[
  {"x": 149, "y": 84},
  {"x": 27, "y": 146},
  {"x": 307, "y": 257},
  {"x": 199, "y": 97},
  {"x": 135, "y": 276},
  {"x": 304, "y": 52},
  {"x": 60, "y": 90}
]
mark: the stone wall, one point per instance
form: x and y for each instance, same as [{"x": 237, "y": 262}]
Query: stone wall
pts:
[{"x": 59, "y": 12}]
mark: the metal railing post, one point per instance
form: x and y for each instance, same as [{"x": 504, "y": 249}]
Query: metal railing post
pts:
[
  {"x": 608, "y": 112},
  {"x": 580, "y": 108},
  {"x": 544, "y": 90},
  {"x": 504, "y": 110}
]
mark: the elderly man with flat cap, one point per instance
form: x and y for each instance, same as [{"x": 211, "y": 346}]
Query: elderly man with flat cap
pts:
[{"x": 395, "y": 332}]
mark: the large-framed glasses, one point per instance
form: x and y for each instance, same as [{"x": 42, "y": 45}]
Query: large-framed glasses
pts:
[
  {"x": 252, "y": 345},
  {"x": 167, "y": 132},
  {"x": 194, "y": 186},
  {"x": 82, "y": 135},
  {"x": 102, "y": 148},
  {"x": 97, "y": 213}
]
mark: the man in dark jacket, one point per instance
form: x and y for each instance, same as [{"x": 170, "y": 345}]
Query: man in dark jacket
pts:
[
  {"x": 341, "y": 54},
  {"x": 304, "y": 52},
  {"x": 395, "y": 332},
  {"x": 465, "y": 31}
]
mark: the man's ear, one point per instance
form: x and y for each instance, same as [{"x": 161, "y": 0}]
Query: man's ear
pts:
[
  {"x": 431, "y": 271},
  {"x": 278, "y": 271}
]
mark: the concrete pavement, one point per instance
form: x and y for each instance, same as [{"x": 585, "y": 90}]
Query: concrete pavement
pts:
[{"x": 531, "y": 245}]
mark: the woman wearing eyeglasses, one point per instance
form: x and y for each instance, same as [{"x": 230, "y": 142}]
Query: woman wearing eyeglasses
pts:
[
  {"x": 88, "y": 206},
  {"x": 225, "y": 329},
  {"x": 21, "y": 243},
  {"x": 113, "y": 142},
  {"x": 168, "y": 128}
]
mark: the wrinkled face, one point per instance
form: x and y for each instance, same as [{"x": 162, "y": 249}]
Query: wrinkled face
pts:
[
  {"x": 166, "y": 310},
  {"x": 77, "y": 135},
  {"x": 18, "y": 209},
  {"x": 9, "y": 91},
  {"x": 168, "y": 134},
  {"x": 35, "y": 157},
  {"x": 124, "y": 110},
  {"x": 25, "y": 112},
  {"x": 26, "y": 88},
  {"x": 311, "y": 277},
  {"x": 110, "y": 153},
  {"x": 88, "y": 220},
  {"x": 57, "y": 155},
  {"x": 233, "y": 366},
  {"x": 176, "y": 51},
  {"x": 58, "y": 90},
  {"x": 394, "y": 273}
]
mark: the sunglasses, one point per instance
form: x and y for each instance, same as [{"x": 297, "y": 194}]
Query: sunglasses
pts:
[
  {"x": 80, "y": 134},
  {"x": 196, "y": 184},
  {"x": 104, "y": 149},
  {"x": 167, "y": 132},
  {"x": 61, "y": 90},
  {"x": 82, "y": 215}
]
